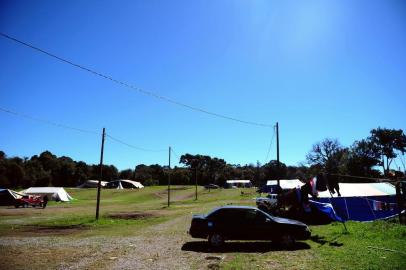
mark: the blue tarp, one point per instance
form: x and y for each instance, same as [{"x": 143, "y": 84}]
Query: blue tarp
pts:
[
  {"x": 362, "y": 208},
  {"x": 327, "y": 209}
]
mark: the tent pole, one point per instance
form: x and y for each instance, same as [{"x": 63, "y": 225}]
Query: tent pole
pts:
[{"x": 345, "y": 227}]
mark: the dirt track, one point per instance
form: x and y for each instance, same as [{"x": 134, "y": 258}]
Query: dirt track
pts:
[{"x": 156, "y": 247}]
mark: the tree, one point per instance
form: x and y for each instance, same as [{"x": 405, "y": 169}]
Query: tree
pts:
[
  {"x": 389, "y": 143},
  {"x": 273, "y": 170},
  {"x": 326, "y": 155},
  {"x": 126, "y": 174},
  {"x": 64, "y": 174},
  {"x": 361, "y": 159}
]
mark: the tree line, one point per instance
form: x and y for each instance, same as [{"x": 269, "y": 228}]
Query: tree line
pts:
[{"x": 368, "y": 157}]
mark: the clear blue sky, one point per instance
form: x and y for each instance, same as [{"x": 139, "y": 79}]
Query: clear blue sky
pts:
[{"x": 321, "y": 68}]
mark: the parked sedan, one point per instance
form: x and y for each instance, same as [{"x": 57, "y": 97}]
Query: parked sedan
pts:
[{"x": 246, "y": 223}]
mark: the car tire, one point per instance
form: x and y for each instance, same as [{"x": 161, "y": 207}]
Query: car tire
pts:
[
  {"x": 25, "y": 205},
  {"x": 216, "y": 240}
]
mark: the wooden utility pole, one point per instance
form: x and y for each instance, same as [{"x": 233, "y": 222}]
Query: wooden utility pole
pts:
[
  {"x": 169, "y": 178},
  {"x": 196, "y": 183},
  {"x": 277, "y": 151},
  {"x": 101, "y": 175}
]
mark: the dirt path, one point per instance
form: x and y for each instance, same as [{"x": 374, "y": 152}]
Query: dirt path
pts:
[
  {"x": 155, "y": 247},
  {"x": 160, "y": 247}
]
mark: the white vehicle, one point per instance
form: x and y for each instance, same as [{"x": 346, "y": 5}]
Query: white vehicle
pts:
[{"x": 268, "y": 202}]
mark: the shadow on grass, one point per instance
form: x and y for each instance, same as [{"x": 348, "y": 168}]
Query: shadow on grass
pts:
[
  {"x": 322, "y": 241},
  {"x": 246, "y": 247}
]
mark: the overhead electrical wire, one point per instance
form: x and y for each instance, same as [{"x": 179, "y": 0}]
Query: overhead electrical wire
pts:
[
  {"x": 59, "y": 125},
  {"x": 176, "y": 154},
  {"x": 270, "y": 146},
  {"x": 145, "y": 92},
  {"x": 133, "y": 146},
  {"x": 362, "y": 177}
]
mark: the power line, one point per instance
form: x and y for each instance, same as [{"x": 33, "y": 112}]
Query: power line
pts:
[
  {"x": 270, "y": 146},
  {"x": 362, "y": 177},
  {"x": 133, "y": 146},
  {"x": 176, "y": 154},
  {"x": 145, "y": 92},
  {"x": 59, "y": 125}
]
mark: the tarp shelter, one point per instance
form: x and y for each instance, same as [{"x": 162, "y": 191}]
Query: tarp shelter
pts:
[
  {"x": 92, "y": 184},
  {"x": 53, "y": 193},
  {"x": 7, "y": 196},
  {"x": 285, "y": 184},
  {"x": 123, "y": 184},
  {"x": 363, "y": 201},
  {"x": 238, "y": 183}
]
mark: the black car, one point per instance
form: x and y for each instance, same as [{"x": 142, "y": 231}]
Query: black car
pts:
[{"x": 246, "y": 223}]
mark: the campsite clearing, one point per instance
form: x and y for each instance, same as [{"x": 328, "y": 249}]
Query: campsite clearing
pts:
[{"x": 138, "y": 231}]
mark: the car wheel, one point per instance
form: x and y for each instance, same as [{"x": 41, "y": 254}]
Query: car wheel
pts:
[
  {"x": 26, "y": 205},
  {"x": 16, "y": 206},
  {"x": 216, "y": 240},
  {"x": 287, "y": 240}
]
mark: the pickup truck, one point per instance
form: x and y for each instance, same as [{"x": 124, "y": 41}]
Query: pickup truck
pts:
[{"x": 29, "y": 200}]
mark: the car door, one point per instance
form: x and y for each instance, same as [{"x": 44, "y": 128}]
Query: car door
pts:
[
  {"x": 264, "y": 227},
  {"x": 223, "y": 222}
]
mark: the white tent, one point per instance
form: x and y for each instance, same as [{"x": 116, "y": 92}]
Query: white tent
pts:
[
  {"x": 238, "y": 183},
  {"x": 286, "y": 183},
  {"x": 53, "y": 193},
  {"x": 362, "y": 190},
  {"x": 124, "y": 183},
  {"x": 92, "y": 184}
]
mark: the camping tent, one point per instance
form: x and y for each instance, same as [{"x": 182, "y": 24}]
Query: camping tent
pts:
[
  {"x": 92, "y": 184},
  {"x": 53, "y": 193},
  {"x": 238, "y": 183},
  {"x": 124, "y": 183},
  {"x": 285, "y": 184},
  {"x": 363, "y": 201},
  {"x": 7, "y": 196}
]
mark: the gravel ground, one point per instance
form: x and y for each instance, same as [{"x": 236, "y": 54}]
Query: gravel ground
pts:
[{"x": 155, "y": 247}]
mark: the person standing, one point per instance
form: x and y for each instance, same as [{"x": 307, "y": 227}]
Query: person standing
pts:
[{"x": 44, "y": 204}]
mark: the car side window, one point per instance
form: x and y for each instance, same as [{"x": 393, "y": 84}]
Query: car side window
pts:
[
  {"x": 261, "y": 217},
  {"x": 250, "y": 215}
]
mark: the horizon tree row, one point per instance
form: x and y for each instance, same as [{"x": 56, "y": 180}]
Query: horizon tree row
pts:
[{"x": 363, "y": 158}]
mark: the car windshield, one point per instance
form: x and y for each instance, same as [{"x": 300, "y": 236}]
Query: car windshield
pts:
[{"x": 212, "y": 212}]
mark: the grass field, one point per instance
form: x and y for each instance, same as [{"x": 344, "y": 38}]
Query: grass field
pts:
[{"x": 137, "y": 230}]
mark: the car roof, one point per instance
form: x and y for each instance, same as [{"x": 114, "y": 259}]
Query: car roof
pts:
[{"x": 236, "y": 207}]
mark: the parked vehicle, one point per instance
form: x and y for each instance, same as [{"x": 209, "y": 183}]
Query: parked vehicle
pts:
[
  {"x": 211, "y": 186},
  {"x": 29, "y": 200},
  {"x": 267, "y": 203},
  {"x": 246, "y": 223}
]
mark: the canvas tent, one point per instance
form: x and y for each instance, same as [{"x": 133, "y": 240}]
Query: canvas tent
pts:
[
  {"x": 92, "y": 184},
  {"x": 363, "y": 201},
  {"x": 285, "y": 184},
  {"x": 123, "y": 184},
  {"x": 53, "y": 193},
  {"x": 238, "y": 183},
  {"x": 7, "y": 196}
]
